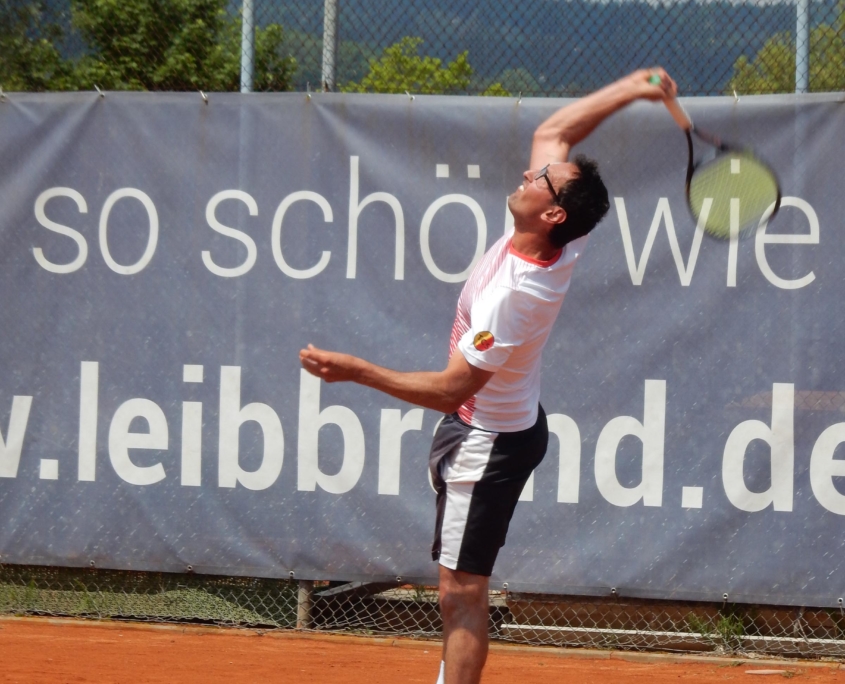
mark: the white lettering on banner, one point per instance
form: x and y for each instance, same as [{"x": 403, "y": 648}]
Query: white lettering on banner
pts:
[
  {"x": 662, "y": 213},
  {"x": 192, "y": 431},
  {"x": 48, "y": 469},
  {"x": 355, "y": 209},
  {"x": 11, "y": 446},
  {"x": 191, "y": 444},
  {"x": 527, "y": 493},
  {"x": 121, "y": 440},
  {"x": 276, "y": 238},
  {"x": 637, "y": 265},
  {"x": 393, "y": 426},
  {"x": 240, "y": 236},
  {"x": 152, "y": 237},
  {"x": 651, "y": 432},
  {"x": 823, "y": 468},
  {"x": 311, "y": 419},
  {"x": 76, "y": 236},
  {"x": 733, "y": 243},
  {"x": 811, "y": 238},
  {"x": 480, "y": 238},
  {"x": 232, "y": 416},
  {"x": 779, "y": 437},
  {"x": 569, "y": 460},
  {"x": 89, "y": 382}
]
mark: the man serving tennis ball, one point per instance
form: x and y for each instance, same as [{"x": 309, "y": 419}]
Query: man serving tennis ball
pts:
[{"x": 494, "y": 433}]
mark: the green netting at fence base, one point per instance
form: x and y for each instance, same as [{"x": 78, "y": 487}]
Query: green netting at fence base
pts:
[
  {"x": 147, "y": 596},
  {"x": 412, "y": 611}
]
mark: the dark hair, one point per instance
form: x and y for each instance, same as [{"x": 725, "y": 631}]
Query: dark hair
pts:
[{"x": 584, "y": 199}]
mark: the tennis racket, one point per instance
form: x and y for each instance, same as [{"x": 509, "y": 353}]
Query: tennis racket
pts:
[{"x": 730, "y": 193}]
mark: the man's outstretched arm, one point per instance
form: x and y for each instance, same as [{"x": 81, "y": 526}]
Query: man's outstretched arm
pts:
[
  {"x": 570, "y": 125},
  {"x": 442, "y": 391}
]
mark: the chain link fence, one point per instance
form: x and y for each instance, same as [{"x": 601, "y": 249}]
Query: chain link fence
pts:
[
  {"x": 536, "y": 48},
  {"x": 614, "y": 622}
]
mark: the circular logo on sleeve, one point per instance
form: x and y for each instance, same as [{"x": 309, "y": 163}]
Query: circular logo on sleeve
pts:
[{"x": 483, "y": 340}]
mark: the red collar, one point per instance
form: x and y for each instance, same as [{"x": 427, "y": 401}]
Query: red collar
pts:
[{"x": 536, "y": 262}]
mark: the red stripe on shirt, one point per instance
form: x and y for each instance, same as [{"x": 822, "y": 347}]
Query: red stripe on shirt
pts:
[
  {"x": 478, "y": 280},
  {"x": 481, "y": 276}
]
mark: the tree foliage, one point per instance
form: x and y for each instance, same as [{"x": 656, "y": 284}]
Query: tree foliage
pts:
[
  {"x": 173, "y": 45},
  {"x": 772, "y": 70},
  {"x": 496, "y": 90},
  {"x": 29, "y": 58},
  {"x": 520, "y": 81},
  {"x": 401, "y": 69},
  {"x": 138, "y": 45}
]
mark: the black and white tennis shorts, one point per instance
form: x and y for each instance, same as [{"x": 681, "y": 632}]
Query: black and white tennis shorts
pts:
[{"x": 478, "y": 476}]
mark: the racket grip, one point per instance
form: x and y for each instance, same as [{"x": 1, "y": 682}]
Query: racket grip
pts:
[{"x": 678, "y": 114}]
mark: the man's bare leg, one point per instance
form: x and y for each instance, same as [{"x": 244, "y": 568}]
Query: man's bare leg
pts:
[{"x": 464, "y": 609}]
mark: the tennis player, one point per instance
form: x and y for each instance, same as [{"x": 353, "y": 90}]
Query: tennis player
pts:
[{"x": 494, "y": 433}]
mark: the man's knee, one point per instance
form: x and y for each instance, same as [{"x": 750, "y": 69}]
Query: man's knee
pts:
[{"x": 461, "y": 592}]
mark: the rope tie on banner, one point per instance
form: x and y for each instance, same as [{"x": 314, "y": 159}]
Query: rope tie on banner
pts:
[
  {"x": 410, "y": 97},
  {"x": 97, "y": 88},
  {"x": 2, "y": 94},
  {"x": 736, "y": 97},
  {"x": 841, "y": 603},
  {"x": 519, "y": 98},
  {"x": 724, "y": 599},
  {"x": 204, "y": 97}
]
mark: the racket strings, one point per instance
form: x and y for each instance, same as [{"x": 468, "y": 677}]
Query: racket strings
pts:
[{"x": 742, "y": 191}]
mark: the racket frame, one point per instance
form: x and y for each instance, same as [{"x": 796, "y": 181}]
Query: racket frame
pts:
[{"x": 684, "y": 121}]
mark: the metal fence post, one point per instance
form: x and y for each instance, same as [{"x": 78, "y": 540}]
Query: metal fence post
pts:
[
  {"x": 329, "y": 44},
  {"x": 303, "y": 604},
  {"x": 247, "y": 45},
  {"x": 802, "y": 46}
]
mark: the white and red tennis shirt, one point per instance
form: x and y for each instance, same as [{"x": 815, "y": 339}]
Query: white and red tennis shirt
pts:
[{"x": 505, "y": 314}]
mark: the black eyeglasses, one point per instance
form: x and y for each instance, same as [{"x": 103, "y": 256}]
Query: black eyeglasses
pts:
[{"x": 544, "y": 173}]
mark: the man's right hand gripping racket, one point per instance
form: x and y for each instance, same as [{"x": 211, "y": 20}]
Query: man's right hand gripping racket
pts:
[{"x": 728, "y": 194}]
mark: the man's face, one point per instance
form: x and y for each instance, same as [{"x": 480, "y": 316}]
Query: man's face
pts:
[{"x": 533, "y": 199}]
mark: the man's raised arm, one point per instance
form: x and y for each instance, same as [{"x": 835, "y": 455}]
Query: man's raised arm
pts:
[{"x": 570, "y": 125}]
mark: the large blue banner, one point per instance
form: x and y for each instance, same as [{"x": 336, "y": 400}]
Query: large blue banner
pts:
[{"x": 162, "y": 261}]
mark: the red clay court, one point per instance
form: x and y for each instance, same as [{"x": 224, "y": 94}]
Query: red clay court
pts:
[{"x": 52, "y": 651}]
